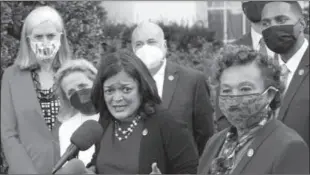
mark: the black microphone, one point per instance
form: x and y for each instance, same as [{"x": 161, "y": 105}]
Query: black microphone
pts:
[
  {"x": 82, "y": 139},
  {"x": 74, "y": 166}
]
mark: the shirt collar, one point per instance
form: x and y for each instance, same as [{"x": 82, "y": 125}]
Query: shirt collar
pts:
[
  {"x": 256, "y": 37},
  {"x": 161, "y": 71},
  {"x": 294, "y": 61}
]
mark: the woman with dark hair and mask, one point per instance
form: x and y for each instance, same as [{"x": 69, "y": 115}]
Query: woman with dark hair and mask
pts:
[
  {"x": 140, "y": 137},
  {"x": 250, "y": 93},
  {"x": 74, "y": 81}
]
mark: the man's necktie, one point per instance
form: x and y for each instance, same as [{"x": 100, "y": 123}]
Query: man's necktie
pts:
[
  {"x": 284, "y": 76},
  {"x": 262, "y": 46}
]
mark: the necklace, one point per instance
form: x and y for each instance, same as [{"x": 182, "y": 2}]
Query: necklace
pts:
[{"x": 123, "y": 134}]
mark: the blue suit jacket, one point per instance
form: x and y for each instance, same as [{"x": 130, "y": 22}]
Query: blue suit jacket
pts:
[{"x": 28, "y": 145}]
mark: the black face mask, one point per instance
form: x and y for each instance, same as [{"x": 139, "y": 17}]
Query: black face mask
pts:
[
  {"x": 280, "y": 38},
  {"x": 253, "y": 10},
  {"x": 81, "y": 101}
]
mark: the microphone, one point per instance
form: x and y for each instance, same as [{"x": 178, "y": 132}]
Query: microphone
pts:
[
  {"x": 82, "y": 139},
  {"x": 74, "y": 166}
]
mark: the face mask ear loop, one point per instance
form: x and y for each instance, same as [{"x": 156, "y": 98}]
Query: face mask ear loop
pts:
[
  {"x": 270, "y": 87},
  {"x": 271, "y": 113}
]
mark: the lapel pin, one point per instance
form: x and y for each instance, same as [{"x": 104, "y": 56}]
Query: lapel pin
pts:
[
  {"x": 250, "y": 152},
  {"x": 144, "y": 132},
  {"x": 301, "y": 72},
  {"x": 170, "y": 77}
]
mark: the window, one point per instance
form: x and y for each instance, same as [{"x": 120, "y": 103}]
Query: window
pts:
[
  {"x": 216, "y": 22},
  {"x": 227, "y": 19},
  {"x": 215, "y": 4},
  {"x": 234, "y": 25}
]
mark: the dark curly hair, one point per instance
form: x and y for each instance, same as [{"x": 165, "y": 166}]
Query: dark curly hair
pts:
[
  {"x": 233, "y": 55},
  {"x": 126, "y": 61}
]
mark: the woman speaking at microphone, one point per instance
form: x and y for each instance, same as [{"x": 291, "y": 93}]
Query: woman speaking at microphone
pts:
[
  {"x": 139, "y": 136},
  {"x": 74, "y": 82}
]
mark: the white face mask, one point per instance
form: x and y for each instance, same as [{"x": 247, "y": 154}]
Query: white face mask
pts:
[
  {"x": 45, "y": 51},
  {"x": 151, "y": 56}
]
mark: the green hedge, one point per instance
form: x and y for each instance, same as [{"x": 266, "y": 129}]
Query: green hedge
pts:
[
  {"x": 84, "y": 21},
  {"x": 90, "y": 34}
]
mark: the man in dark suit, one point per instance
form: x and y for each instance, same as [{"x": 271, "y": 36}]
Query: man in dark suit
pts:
[
  {"x": 183, "y": 91},
  {"x": 283, "y": 25}
]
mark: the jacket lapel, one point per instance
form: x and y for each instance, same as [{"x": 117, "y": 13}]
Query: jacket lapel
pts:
[
  {"x": 298, "y": 77},
  {"x": 151, "y": 138},
  {"x": 170, "y": 82},
  {"x": 214, "y": 151},
  {"x": 259, "y": 139},
  {"x": 26, "y": 99}
]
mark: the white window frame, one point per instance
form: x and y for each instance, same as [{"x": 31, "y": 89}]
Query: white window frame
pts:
[{"x": 225, "y": 9}]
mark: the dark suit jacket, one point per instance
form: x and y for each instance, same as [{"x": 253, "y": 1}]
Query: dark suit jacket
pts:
[
  {"x": 186, "y": 96},
  {"x": 277, "y": 150},
  {"x": 168, "y": 143},
  {"x": 245, "y": 39},
  {"x": 28, "y": 145},
  {"x": 294, "y": 111}
]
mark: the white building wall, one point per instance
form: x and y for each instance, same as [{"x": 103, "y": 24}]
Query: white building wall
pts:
[
  {"x": 183, "y": 12},
  {"x": 137, "y": 11},
  {"x": 120, "y": 11}
]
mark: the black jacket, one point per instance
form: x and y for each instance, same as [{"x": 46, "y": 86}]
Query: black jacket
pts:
[{"x": 168, "y": 143}]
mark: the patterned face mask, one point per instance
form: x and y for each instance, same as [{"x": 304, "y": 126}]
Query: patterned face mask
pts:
[
  {"x": 243, "y": 111},
  {"x": 45, "y": 51}
]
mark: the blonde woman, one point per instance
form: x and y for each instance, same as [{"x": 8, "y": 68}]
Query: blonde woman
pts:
[
  {"x": 74, "y": 81},
  {"x": 29, "y": 103}
]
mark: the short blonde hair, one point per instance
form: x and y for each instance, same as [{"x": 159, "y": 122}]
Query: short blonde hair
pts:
[
  {"x": 70, "y": 66},
  {"x": 25, "y": 58}
]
